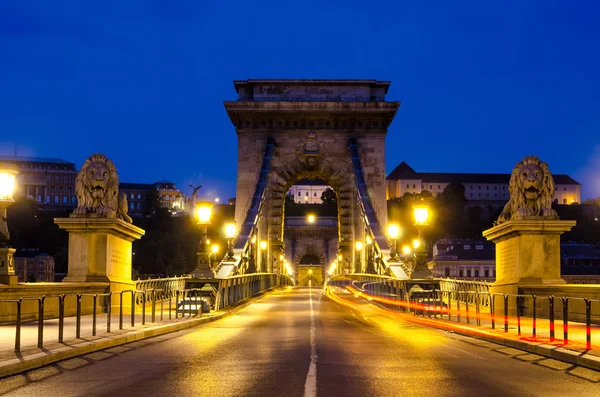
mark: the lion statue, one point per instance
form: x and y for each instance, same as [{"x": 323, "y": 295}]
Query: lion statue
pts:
[
  {"x": 97, "y": 189},
  {"x": 531, "y": 189}
]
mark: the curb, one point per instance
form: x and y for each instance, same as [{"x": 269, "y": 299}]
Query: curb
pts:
[{"x": 40, "y": 359}]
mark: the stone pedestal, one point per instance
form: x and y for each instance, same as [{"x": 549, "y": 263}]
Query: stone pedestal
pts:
[
  {"x": 100, "y": 250},
  {"x": 421, "y": 270},
  {"x": 527, "y": 253},
  {"x": 7, "y": 267}
]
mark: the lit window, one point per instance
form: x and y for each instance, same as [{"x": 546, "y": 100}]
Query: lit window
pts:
[
  {"x": 132, "y": 205},
  {"x": 139, "y": 196},
  {"x": 56, "y": 199},
  {"x": 132, "y": 195},
  {"x": 65, "y": 200}
]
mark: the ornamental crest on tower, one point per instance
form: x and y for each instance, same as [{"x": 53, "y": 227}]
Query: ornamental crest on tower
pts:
[{"x": 311, "y": 150}]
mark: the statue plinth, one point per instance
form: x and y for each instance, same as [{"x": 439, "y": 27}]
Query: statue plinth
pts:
[
  {"x": 527, "y": 252},
  {"x": 100, "y": 250},
  {"x": 421, "y": 269},
  {"x": 7, "y": 267}
]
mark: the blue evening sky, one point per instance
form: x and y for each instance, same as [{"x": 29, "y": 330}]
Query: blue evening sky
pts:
[{"x": 482, "y": 83}]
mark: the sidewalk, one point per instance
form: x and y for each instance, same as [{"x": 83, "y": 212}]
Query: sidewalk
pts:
[{"x": 31, "y": 356}]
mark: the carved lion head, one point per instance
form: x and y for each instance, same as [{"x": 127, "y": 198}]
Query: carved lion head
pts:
[
  {"x": 97, "y": 186},
  {"x": 531, "y": 189}
]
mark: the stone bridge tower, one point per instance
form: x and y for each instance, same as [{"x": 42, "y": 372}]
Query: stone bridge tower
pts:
[{"x": 295, "y": 129}]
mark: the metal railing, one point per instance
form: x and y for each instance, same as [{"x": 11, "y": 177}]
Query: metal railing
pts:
[
  {"x": 104, "y": 303},
  {"x": 234, "y": 289},
  {"x": 167, "y": 285}
]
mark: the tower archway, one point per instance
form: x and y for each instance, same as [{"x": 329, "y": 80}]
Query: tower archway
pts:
[{"x": 289, "y": 130}]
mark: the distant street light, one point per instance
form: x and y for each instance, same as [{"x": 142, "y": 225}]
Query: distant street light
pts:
[
  {"x": 230, "y": 233},
  {"x": 263, "y": 248},
  {"x": 203, "y": 214},
  {"x": 420, "y": 269},
  {"x": 7, "y": 187},
  {"x": 393, "y": 232},
  {"x": 310, "y": 218}
]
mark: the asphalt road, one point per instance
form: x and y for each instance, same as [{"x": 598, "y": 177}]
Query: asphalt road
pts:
[{"x": 265, "y": 350}]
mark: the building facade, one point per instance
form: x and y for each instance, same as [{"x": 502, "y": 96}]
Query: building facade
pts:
[
  {"x": 464, "y": 260},
  {"x": 486, "y": 188},
  {"x": 138, "y": 194},
  {"x": 307, "y": 191},
  {"x": 50, "y": 182},
  {"x": 32, "y": 265}
]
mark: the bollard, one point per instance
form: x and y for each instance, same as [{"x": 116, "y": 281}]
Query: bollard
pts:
[
  {"x": 132, "y": 308},
  {"x": 94, "y": 315},
  {"x": 143, "y": 307},
  {"x": 18, "y": 327},
  {"x": 78, "y": 320},
  {"x": 588, "y": 324},
  {"x": 477, "y": 310},
  {"x": 153, "y": 305},
  {"x": 457, "y": 307},
  {"x": 109, "y": 312},
  {"x": 551, "y": 316},
  {"x": 517, "y": 298},
  {"x": 467, "y": 307},
  {"x": 565, "y": 302},
  {"x": 176, "y": 302},
  {"x": 170, "y": 298},
  {"x": 505, "y": 313},
  {"x": 492, "y": 310},
  {"x": 61, "y": 317},
  {"x": 162, "y": 298},
  {"x": 41, "y": 321},
  {"x": 534, "y": 317},
  {"x": 121, "y": 310}
]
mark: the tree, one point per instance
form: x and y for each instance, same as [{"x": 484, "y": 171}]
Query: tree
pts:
[
  {"x": 152, "y": 202},
  {"x": 328, "y": 196},
  {"x": 450, "y": 205}
]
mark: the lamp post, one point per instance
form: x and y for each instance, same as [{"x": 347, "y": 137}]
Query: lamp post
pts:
[
  {"x": 393, "y": 232},
  {"x": 359, "y": 246},
  {"x": 263, "y": 255},
  {"x": 203, "y": 214},
  {"x": 7, "y": 186},
  {"x": 420, "y": 269},
  {"x": 230, "y": 233},
  {"x": 370, "y": 265}
]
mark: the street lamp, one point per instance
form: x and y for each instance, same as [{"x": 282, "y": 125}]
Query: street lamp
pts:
[
  {"x": 203, "y": 214},
  {"x": 7, "y": 187},
  {"x": 393, "y": 232},
  {"x": 420, "y": 269},
  {"x": 263, "y": 248},
  {"x": 230, "y": 233},
  {"x": 310, "y": 218},
  {"x": 359, "y": 246}
]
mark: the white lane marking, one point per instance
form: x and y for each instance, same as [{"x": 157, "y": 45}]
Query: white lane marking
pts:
[{"x": 310, "y": 386}]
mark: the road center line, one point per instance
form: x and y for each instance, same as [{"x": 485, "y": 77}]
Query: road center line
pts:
[{"x": 310, "y": 386}]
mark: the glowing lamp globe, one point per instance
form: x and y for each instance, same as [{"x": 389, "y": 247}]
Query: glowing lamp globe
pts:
[
  {"x": 230, "y": 229},
  {"x": 359, "y": 245},
  {"x": 263, "y": 245},
  {"x": 204, "y": 212},
  {"x": 406, "y": 249},
  {"x": 7, "y": 181},
  {"x": 215, "y": 249},
  {"x": 421, "y": 214},
  {"x": 393, "y": 231}
]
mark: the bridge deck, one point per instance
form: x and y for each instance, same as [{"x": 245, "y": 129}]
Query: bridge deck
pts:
[{"x": 265, "y": 350}]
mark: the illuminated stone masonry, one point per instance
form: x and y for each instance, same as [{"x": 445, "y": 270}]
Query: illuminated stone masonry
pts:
[{"x": 311, "y": 122}]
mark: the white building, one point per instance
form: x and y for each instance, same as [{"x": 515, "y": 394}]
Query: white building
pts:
[
  {"x": 478, "y": 187},
  {"x": 308, "y": 191}
]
